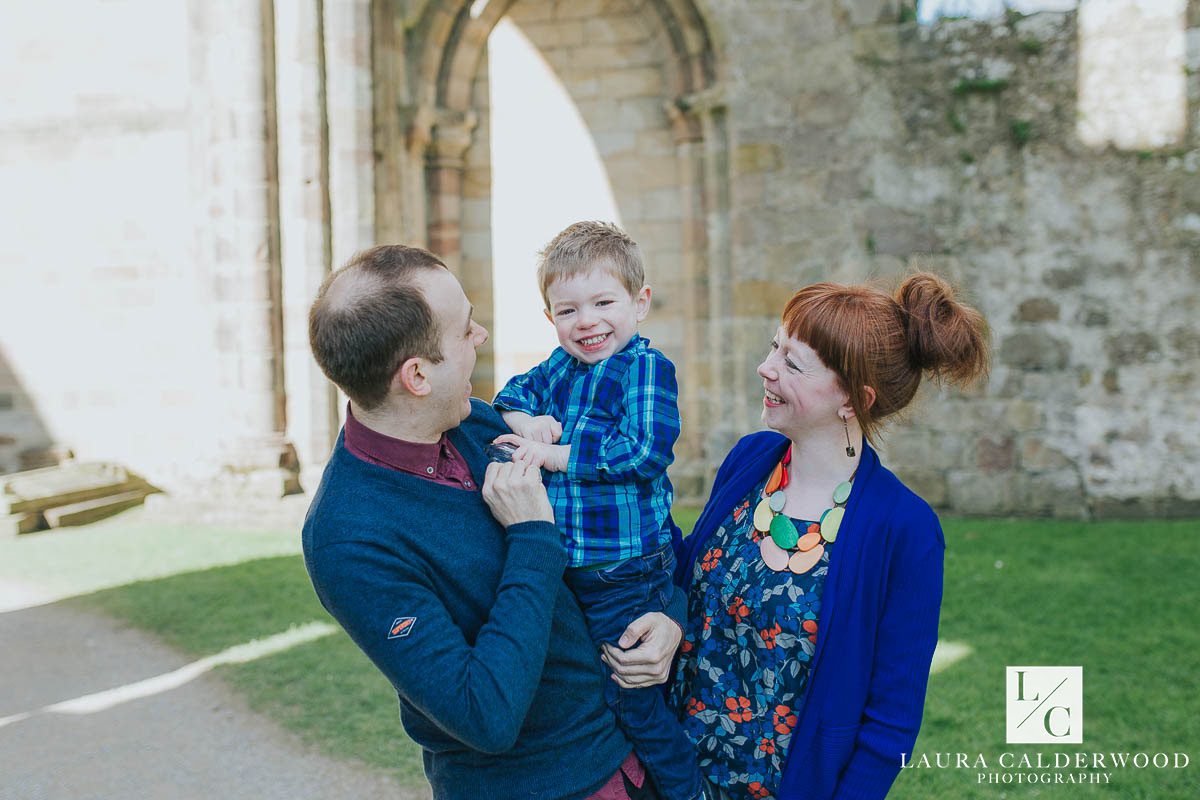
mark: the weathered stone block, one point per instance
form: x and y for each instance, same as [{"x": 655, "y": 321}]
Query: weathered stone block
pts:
[
  {"x": 1132, "y": 348},
  {"x": 554, "y": 34},
  {"x": 1140, "y": 508},
  {"x": 972, "y": 492},
  {"x": 1034, "y": 351},
  {"x": 845, "y": 184},
  {"x": 1093, "y": 317},
  {"x": 760, "y": 297},
  {"x": 929, "y": 485},
  {"x": 584, "y": 9},
  {"x": 614, "y": 29},
  {"x": 870, "y": 12},
  {"x": 993, "y": 453},
  {"x": 1056, "y": 493},
  {"x": 600, "y": 56},
  {"x": 874, "y": 45},
  {"x": 948, "y": 450},
  {"x": 1038, "y": 309},
  {"x": 1037, "y": 455},
  {"x": 1023, "y": 415},
  {"x": 1185, "y": 341},
  {"x": 892, "y": 232},
  {"x": 910, "y": 448},
  {"x": 633, "y": 82},
  {"x": 757, "y": 157}
]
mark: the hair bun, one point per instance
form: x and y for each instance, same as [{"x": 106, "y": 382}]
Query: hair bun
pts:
[{"x": 944, "y": 336}]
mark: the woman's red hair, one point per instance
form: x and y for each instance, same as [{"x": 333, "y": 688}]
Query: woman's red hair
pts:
[{"x": 870, "y": 338}]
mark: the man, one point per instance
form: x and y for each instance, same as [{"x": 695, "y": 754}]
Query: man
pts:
[{"x": 455, "y": 591}]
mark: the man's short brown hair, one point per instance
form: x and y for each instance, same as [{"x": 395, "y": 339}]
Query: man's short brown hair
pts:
[
  {"x": 370, "y": 317},
  {"x": 585, "y": 246}
]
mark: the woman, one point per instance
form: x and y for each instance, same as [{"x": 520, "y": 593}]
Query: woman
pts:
[{"x": 813, "y": 575}]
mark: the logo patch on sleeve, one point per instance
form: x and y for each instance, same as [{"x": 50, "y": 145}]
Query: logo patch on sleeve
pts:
[{"x": 401, "y": 627}]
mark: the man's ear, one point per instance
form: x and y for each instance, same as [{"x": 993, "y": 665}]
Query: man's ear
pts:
[
  {"x": 410, "y": 377},
  {"x": 641, "y": 302}
]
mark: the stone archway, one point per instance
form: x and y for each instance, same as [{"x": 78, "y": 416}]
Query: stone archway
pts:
[{"x": 656, "y": 110}]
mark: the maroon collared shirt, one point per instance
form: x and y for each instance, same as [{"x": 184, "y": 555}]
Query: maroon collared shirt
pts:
[{"x": 439, "y": 462}]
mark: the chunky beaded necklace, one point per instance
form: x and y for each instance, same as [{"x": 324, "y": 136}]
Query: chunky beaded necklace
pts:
[{"x": 782, "y": 546}]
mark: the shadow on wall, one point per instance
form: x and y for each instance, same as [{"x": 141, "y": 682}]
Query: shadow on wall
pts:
[{"x": 25, "y": 442}]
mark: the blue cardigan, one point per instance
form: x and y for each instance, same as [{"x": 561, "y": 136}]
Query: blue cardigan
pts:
[{"x": 879, "y": 623}]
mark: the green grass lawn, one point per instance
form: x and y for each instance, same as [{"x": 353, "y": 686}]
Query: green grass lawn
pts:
[
  {"x": 1112, "y": 597},
  {"x": 70, "y": 561}
]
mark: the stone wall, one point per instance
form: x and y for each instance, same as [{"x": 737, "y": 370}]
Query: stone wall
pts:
[
  {"x": 1085, "y": 263},
  {"x": 163, "y": 193},
  {"x": 105, "y": 347},
  {"x": 180, "y": 196},
  {"x": 874, "y": 147}
]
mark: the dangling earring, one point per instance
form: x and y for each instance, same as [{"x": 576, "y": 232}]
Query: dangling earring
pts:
[{"x": 849, "y": 447}]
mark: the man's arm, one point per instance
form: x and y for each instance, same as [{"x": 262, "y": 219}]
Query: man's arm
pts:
[
  {"x": 478, "y": 692},
  {"x": 640, "y": 446}
]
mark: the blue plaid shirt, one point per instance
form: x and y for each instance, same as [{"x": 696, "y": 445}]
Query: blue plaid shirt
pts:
[{"x": 621, "y": 418}]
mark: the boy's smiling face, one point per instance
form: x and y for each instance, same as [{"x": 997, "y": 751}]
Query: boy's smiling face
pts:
[{"x": 594, "y": 314}]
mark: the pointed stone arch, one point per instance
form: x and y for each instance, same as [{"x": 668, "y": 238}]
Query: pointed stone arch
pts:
[{"x": 426, "y": 64}]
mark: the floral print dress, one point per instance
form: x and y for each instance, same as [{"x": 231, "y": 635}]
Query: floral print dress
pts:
[{"x": 746, "y": 654}]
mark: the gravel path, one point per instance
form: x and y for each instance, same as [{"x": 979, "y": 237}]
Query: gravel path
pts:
[{"x": 197, "y": 741}]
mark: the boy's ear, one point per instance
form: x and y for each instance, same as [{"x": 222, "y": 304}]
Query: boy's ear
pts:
[
  {"x": 411, "y": 378},
  {"x": 549, "y": 316},
  {"x": 641, "y": 302}
]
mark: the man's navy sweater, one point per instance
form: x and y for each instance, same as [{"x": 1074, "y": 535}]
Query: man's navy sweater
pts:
[{"x": 487, "y": 649}]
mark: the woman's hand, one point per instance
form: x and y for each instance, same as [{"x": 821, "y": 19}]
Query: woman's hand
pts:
[
  {"x": 514, "y": 493},
  {"x": 656, "y": 637}
]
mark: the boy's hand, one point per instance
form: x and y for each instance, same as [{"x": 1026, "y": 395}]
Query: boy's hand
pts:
[
  {"x": 544, "y": 429},
  {"x": 553, "y": 457}
]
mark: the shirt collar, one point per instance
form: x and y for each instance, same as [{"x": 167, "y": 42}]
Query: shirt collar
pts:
[{"x": 414, "y": 457}]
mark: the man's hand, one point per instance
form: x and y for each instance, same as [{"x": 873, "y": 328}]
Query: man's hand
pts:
[
  {"x": 656, "y": 637},
  {"x": 544, "y": 429},
  {"x": 514, "y": 493},
  {"x": 553, "y": 457}
]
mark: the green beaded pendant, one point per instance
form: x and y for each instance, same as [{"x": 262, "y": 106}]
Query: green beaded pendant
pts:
[
  {"x": 842, "y": 493},
  {"x": 784, "y": 532}
]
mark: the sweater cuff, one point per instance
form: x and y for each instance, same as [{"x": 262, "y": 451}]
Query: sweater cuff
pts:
[{"x": 536, "y": 545}]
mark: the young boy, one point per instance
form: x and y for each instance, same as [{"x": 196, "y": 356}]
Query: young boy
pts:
[{"x": 601, "y": 416}]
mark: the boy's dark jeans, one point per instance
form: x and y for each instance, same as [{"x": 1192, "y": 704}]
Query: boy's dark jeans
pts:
[{"x": 611, "y": 599}]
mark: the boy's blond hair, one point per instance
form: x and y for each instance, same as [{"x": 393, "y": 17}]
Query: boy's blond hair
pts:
[{"x": 585, "y": 246}]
